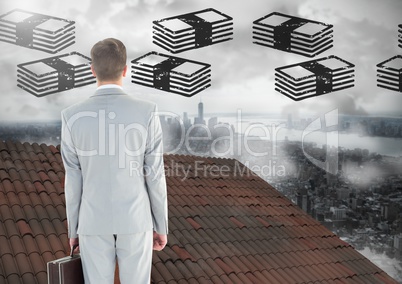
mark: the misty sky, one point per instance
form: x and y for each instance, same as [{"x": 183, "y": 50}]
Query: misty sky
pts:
[{"x": 365, "y": 34}]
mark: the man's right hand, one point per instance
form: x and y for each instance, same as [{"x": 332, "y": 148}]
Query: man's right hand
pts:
[
  {"x": 74, "y": 242},
  {"x": 160, "y": 241}
]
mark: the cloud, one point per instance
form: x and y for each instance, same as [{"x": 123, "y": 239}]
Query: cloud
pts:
[
  {"x": 376, "y": 12},
  {"x": 391, "y": 266}
]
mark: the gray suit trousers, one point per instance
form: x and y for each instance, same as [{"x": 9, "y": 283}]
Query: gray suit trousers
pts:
[{"x": 132, "y": 252}]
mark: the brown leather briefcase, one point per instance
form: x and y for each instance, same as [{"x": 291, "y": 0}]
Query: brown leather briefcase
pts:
[{"x": 66, "y": 270}]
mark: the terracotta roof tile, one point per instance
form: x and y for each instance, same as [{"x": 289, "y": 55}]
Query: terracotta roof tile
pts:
[
  {"x": 4, "y": 175},
  {"x": 56, "y": 243},
  {"x": 6, "y": 213},
  {"x": 24, "y": 228},
  {"x": 14, "y": 156},
  {"x": 182, "y": 253},
  {"x": 11, "y": 145},
  {"x": 37, "y": 263},
  {"x": 28, "y": 147},
  {"x": 5, "y": 155},
  {"x": 164, "y": 272},
  {"x": 273, "y": 276},
  {"x": 9, "y": 265},
  {"x": 193, "y": 223},
  {"x": 19, "y": 147},
  {"x": 56, "y": 167},
  {"x": 202, "y": 268},
  {"x": 28, "y": 278},
  {"x": 3, "y": 146},
  {"x": 36, "y": 148},
  {"x": 42, "y": 157},
  {"x": 249, "y": 264},
  {"x": 59, "y": 186},
  {"x": 18, "y": 213},
  {"x": 18, "y": 163},
  {"x": 17, "y": 245},
  {"x": 33, "y": 157},
  {"x": 237, "y": 222},
  {"x": 5, "y": 245},
  {"x": 34, "y": 177}
]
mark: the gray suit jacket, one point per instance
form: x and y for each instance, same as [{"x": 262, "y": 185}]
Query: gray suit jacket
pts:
[{"x": 111, "y": 146}]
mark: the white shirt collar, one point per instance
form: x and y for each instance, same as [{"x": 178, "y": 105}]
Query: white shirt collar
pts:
[{"x": 109, "y": 86}]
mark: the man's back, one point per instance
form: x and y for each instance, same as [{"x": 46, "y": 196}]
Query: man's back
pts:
[{"x": 112, "y": 132}]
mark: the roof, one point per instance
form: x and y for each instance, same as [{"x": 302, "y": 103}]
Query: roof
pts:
[
  {"x": 227, "y": 225},
  {"x": 32, "y": 210}
]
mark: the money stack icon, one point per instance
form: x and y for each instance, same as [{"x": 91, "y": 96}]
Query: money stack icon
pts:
[
  {"x": 389, "y": 74},
  {"x": 36, "y": 31},
  {"x": 314, "y": 78},
  {"x": 173, "y": 74},
  {"x": 55, "y": 74},
  {"x": 193, "y": 30},
  {"x": 293, "y": 34}
]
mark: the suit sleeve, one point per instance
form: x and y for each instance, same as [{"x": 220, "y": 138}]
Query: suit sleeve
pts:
[
  {"x": 155, "y": 177},
  {"x": 73, "y": 178}
]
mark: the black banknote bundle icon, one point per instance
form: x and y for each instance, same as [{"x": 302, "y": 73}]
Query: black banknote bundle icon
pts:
[
  {"x": 293, "y": 34},
  {"x": 36, "y": 31},
  {"x": 313, "y": 78},
  {"x": 48, "y": 34},
  {"x": 193, "y": 30},
  {"x": 55, "y": 74},
  {"x": 389, "y": 74},
  {"x": 168, "y": 73}
]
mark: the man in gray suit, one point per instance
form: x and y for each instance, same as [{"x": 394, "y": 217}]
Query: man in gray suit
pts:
[{"x": 115, "y": 186}]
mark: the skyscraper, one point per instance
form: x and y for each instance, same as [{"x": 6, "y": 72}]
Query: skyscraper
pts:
[
  {"x": 200, "y": 118},
  {"x": 201, "y": 111}
]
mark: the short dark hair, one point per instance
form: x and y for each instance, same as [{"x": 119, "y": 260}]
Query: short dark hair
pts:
[{"x": 108, "y": 59}]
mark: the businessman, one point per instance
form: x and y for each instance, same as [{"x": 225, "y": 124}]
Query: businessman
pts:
[{"x": 115, "y": 186}]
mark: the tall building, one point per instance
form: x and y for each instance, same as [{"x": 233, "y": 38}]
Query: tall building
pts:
[
  {"x": 338, "y": 213},
  {"x": 304, "y": 200},
  {"x": 186, "y": 120},
  {"x": 201, "y": 111},
  {"x": 212, "y": 122},
  {"x": 398, "y": 242},
  {"x": 200, "y": 118}
]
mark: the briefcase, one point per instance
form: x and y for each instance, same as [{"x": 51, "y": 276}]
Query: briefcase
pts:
[{"x": 66, "y": 270}]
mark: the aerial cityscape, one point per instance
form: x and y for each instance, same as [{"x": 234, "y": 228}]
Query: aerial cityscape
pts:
[{"x": 361, "y": 203}]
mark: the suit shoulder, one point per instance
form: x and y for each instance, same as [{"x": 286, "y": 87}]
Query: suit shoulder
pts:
[
  {"x": 74, "y": 108},
  {"x": 140, "y": 104}
]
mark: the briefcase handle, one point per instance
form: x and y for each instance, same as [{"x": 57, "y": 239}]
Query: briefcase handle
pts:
[{"x": 72, "y": 250}]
